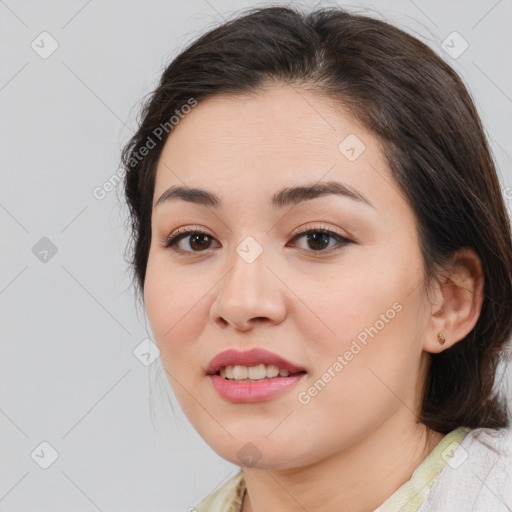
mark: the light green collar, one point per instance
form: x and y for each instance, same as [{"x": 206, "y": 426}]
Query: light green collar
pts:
[{"x": 410, "y": 496}]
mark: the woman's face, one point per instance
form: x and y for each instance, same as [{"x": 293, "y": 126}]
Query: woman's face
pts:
[{"x": 352, "y": 313}]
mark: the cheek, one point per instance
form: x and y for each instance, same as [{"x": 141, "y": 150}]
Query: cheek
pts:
[
  {"x": 173, "y": 305},
  {"x": 344, "y": 301},
  {"x": 371, "y": 315}
]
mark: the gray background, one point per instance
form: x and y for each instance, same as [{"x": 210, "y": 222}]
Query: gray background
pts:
[{"x": 69, "y": 324}]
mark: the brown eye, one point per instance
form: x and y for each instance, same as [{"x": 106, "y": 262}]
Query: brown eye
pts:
[
  {"x": 318, "y": 240},
  {"x": 199, "y": 241}
]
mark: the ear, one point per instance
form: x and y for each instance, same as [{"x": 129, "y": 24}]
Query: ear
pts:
[{"x": 459, "y": 294}]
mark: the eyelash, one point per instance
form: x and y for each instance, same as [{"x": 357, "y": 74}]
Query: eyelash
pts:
[{"x": 169, "y": 241}]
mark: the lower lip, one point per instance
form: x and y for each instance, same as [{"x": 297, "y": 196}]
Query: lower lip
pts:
[{"x": 254, "y": 391}]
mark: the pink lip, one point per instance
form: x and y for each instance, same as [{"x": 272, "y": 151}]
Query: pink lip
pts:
[
  {"x": 252, "y": 357},
  {"x": 253, "y": 391}
]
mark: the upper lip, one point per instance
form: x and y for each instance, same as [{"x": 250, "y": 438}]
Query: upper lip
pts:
[{"x": 252, "y": 357}]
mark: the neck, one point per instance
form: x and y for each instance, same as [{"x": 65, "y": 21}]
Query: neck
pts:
[{"x": 356, "y": 479}]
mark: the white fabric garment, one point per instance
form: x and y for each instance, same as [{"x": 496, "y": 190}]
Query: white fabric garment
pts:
[{"x": 478, "y": 477}]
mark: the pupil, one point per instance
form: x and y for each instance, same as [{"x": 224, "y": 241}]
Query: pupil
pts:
[
  {"x": 194, "y": 238},
  {"x": 324, "y": 237}
]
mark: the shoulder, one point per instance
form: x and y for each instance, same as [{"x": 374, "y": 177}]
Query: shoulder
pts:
[
  {"x": 477, "y": 475},
  {"x": 227, "y": 498}
]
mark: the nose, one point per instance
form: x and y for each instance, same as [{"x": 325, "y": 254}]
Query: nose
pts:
[{"x": 249, "y": 294}]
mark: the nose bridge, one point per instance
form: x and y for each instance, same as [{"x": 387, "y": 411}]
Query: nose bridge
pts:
[
  {"x": 245, "y": 292},
  {"x": 247, "y": 272}
]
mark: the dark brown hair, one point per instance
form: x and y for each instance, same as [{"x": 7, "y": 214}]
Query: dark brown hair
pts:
[{"x": 432, "y": 137}]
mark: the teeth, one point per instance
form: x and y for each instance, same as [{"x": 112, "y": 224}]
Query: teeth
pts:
[
  {"x": 240, "y": 372},
  {"x": 258, "y": 372},
  {"x": 272, "y": 371}
]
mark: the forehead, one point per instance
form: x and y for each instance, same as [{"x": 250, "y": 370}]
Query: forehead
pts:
[
  {"x": 279, "y": 119},
  {"x": 280, "y": 136}
]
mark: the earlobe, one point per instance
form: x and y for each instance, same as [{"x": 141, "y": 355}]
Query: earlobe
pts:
[{"x": 460, "y": 294}]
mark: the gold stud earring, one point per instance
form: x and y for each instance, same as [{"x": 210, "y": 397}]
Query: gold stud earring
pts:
[{"x": 441, "y": 338}]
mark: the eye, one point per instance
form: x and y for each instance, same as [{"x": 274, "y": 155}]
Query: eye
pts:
[
  {"x": 318, "y": 238},
  {"x": 200, "y": 241}
]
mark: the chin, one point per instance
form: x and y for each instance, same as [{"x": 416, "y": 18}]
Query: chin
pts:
[{"x": 259, "y": 454}]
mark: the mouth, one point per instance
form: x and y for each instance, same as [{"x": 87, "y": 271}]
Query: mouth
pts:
[{"x": 255, "y": 375}]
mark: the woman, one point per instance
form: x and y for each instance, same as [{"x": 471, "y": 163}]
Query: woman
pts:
[{"x": 325, "y": 258}]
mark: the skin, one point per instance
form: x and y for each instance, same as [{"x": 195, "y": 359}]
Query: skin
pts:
[{"x": 358, "y": 439}]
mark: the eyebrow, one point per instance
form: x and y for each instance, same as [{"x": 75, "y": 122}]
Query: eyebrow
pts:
[{"x": 286, "y": 197}]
